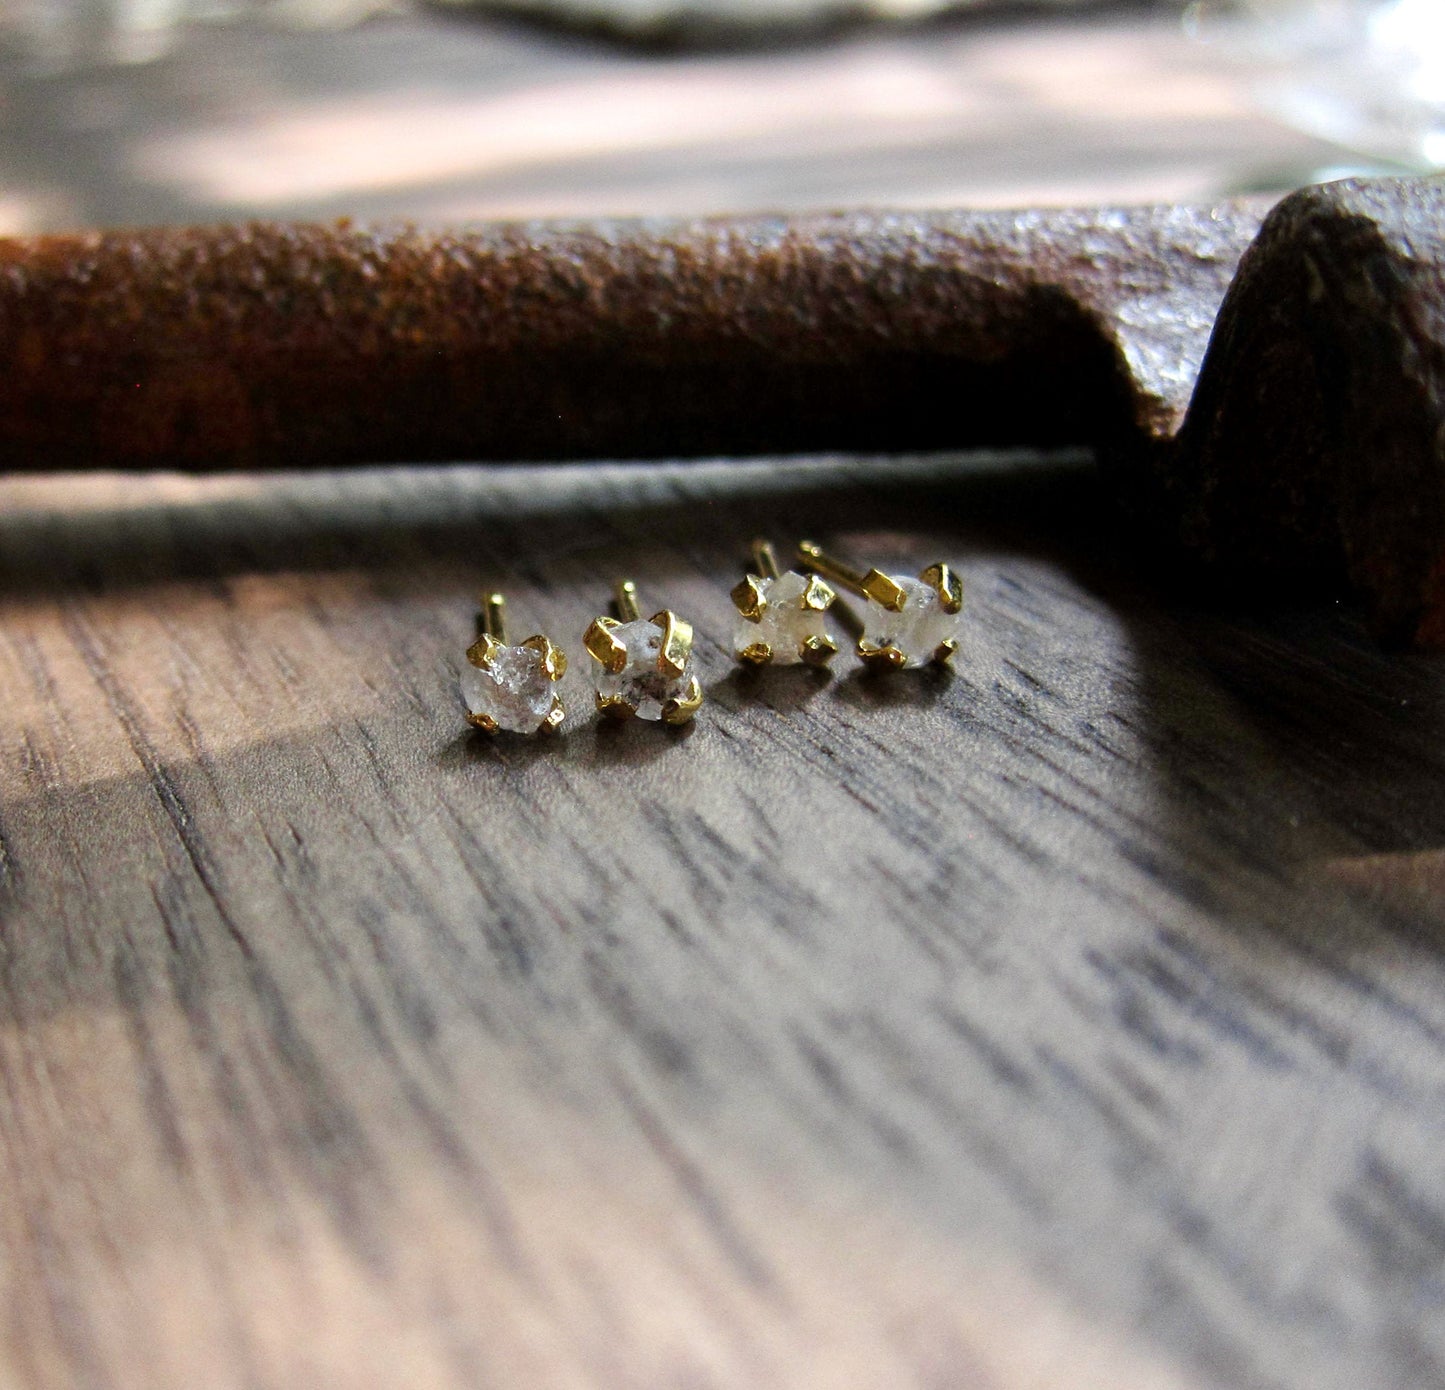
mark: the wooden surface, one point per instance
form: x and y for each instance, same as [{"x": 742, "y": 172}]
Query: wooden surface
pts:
[{"x": 1074, "y": 1021}]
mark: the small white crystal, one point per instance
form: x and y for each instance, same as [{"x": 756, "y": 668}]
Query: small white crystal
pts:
[
  {"x": 918, "y": 629},
  {"x": 646, "y": 688},
  {"x": 515, "y": 690},
  {"x": 784, "y": 623}
]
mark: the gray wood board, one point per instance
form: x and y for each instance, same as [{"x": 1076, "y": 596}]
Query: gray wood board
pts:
[{"x": 1075, "y": 1020}]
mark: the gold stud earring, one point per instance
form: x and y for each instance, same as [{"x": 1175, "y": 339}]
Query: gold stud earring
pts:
[
  {"x": 644, "y": 663},
  {"x": 780, "y": 616},
  {"x": 508, "y": 687},
  {"x": 907, "y": 622}
]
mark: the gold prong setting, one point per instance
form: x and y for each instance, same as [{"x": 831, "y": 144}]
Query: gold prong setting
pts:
[
  {"x": 885, "y": 591},
  {"x": 923, "y": 628},
  {"x": 507, "y": 687},
  {"x": 681, "y": 708},
  {"x": 886, "y": 657},
  {"x": 818, "y": 651},
  {"x": 676, "y": 644},
  {"x": 614, "y": 707},
  {"x": 946, "y": 584},
  {"x": 781, "y": 620},
  {"x": 554, "y": 659},
  {"x": 907, "y": 622},
  {"x": 750, "y": 598},
  {"x": 483, "y": 652},
  {"x": 817, "y": 597},
  {"x": 514, "y": 689},
  {"x": 603, "y": 644},
  {"x": 644, "y": 664}
]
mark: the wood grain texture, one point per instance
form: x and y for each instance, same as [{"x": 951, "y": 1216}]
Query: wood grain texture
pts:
[{"x": 1077, "y": 1020}]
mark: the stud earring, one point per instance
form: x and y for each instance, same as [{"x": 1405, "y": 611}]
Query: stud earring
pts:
[
  {"x": 908, "y": 622},
  {"x": 644, "y": 663},
  {"x": 780, "y": 616},
  {"x": 508, "y": 687}
]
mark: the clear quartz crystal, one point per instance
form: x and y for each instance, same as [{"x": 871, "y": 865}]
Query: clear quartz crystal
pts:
[
  {"x": 639, "y": 682},
  {"x": 784, "y": 623},
  {"x": 918, "y": 630},
  {"x": 515, "y": 690}
]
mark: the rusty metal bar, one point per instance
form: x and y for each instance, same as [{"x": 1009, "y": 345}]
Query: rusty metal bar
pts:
[{"x": 1312, "y": 447}]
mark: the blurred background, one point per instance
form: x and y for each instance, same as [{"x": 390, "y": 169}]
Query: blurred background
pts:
[{"x": 124, "y": 112}]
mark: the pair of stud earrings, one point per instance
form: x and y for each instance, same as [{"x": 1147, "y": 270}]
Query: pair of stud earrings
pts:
[
  {"x": 907, "y": 622},
  {"x": 644, "y": 670}
]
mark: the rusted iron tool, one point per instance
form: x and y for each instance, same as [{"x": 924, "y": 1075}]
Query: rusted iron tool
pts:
[{"x": 1312, "y": 441}]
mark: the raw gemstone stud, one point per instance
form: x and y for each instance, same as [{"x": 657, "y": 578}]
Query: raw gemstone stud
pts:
[
  {"x": 907, "y": 622},
  {"x": 780, "y": 616},
  {"x": 644, "y": 663},
  {"x": 511, "y": 687}
]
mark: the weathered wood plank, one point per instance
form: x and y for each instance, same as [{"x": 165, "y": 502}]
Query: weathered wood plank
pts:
[{"x": 1077, "y": 1020}]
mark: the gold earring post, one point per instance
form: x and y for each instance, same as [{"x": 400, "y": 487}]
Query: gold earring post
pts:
[
  {"x": 816, "y": 558},
  {"x": 627, "y": 609},
  {"x": 494, "y": 616},
  {"x": 765, "y": 559},
  {"x": 874, "y": 585}
]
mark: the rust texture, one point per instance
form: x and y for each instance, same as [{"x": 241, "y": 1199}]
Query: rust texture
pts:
[
  {"x": 1315, "y": 442},
  {"x": 1312, "y": 443},
  {"x": 274, "y": 345}
]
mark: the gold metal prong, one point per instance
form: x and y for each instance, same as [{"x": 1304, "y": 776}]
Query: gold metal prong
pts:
[
  {"x": 765, "y": 559},
  {"x": 604, "y": 645},
  {"x": 758, "y": 654},
  {"x": 945, "y": 650},
  {"x": 676, "y": 644},
  {"x": 627, "y": 608},
  {"x": 887, "y": 658},
  {"x": 614, "y": 706},
  {"x": 817, "y": 651},
  {"x": 818, "y": 596},
  {"x": 494, "y": 615},
  {"x": 554, "y": 659},
  {"x": 554, "y": 718},
  {"x": 681, "y": 710},
  {"x": 884, "y": 591},
  {"x": 946, "y": 584},
  {"x": 484, "y": 722},
  {"x": 484, "y": 651},
  {"x": 748, "y": 599}
]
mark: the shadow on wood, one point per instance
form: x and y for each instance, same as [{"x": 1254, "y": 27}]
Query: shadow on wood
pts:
[{"x": 1031, "y": 1021}]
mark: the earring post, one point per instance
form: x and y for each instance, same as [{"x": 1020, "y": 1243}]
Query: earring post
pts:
[
  {"x": 627, "y": 609},
  {"x": 814, "y": 556},
  {"x": 765, "y": 559},
  {"x": 494, "y": 616}
]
